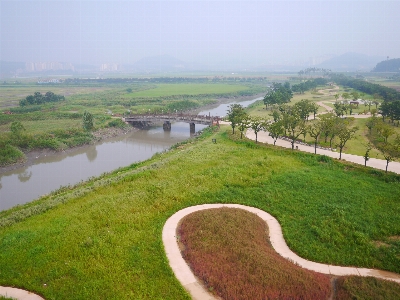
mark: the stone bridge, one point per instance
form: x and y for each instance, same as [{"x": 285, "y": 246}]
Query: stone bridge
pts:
[{"x": 144, "y": 120}]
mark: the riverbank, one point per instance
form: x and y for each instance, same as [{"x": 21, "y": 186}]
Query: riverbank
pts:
[
  {"x": 101, "y": 135},
  {"x": 104, "y": 134}
]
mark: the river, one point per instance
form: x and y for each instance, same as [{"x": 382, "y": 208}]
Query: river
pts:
[{"x": 49, "y": 173}]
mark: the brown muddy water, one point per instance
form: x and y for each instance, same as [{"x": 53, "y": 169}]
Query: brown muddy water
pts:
[{"x": 49, "y": 173}]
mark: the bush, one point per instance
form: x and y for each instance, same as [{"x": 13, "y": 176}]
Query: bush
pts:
[
  {"x": 117, "y": 123},
  {"x": 10, "y": 154}
]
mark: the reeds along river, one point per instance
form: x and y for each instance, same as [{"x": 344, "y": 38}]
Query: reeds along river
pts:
[{"x": 49, "y": 173}]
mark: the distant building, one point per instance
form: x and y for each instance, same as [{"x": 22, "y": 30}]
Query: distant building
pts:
[
  {"x": 49, "y": 81},
  {"x": 110, "y": 67},
  {"x": 48, "y": 66}
]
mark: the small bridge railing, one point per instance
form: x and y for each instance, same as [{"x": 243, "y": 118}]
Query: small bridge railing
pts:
[{"x": 197, "y": 119}]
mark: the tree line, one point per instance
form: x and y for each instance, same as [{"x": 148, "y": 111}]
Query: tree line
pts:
[
  {"x": 387, "y": 94},
  {"x": 38, "y": 98},
  {"x": 292, "y": 123}
]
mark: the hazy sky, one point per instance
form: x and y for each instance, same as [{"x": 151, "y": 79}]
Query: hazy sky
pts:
[{"x": 254, "y": 32}]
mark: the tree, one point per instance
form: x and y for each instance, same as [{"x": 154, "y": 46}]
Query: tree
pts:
[
  {"x": 303, "y": 108},
  {"x": 87, "y": 121},
  {"x": 355, "y": 95},
  {"x": 275, "y": 130},
  {"x": 278, "y": 94},
  {"x": 385, "y": 130},
  {"x": 275, "y": 115},
  {"x": 315, "y": 130},
  {"x": 390, "y": 151},
  {"x": 366, "y": 155},
  {"x": 346, "y": 96},
  {"x": 327, "y": 121},
  {"x": 371, "y": 123},
  {"x": 314, "y": 108},
  {"x": 344, "y": 134},
  {"x": 257, "y": 124},
  {"x": 336, "y": 97},
  {"x": 384, "y": 110},
  {"x": 339, "y": 109},
  {"x": 295, "y": 126},
  {"x": 243, "y": 125},
  {"x": 236, "y": 114}
]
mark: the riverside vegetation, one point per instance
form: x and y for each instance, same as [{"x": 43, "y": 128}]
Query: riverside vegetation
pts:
[
  {"x": 102, "y": 239},
  {"x": 50, "y": 120}
]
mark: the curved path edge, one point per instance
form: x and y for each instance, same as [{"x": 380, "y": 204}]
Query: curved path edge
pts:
[
  {"x": 18, "y": 294},
  {"x": 184, "y": 274}
]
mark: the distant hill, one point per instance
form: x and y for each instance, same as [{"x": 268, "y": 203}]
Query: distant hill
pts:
[
  {"x": 390, "y": 65},
  {"x": 350, "y": 62}
]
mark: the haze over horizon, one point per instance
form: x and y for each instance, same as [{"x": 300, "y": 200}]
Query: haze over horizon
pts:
[{"x": 242, "y": 33}]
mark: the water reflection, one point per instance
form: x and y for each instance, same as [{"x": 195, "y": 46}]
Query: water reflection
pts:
[
  {"x": 24, "y": 176},
  {"x": 67, "y": 168},
  {"x": 91, "y": 154}
]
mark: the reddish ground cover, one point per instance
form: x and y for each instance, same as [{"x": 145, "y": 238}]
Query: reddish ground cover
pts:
[{"x": 229, "y": 250}]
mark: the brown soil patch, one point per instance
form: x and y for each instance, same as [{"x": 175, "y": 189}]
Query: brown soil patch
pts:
[
  {"x": 380, "y": 244},
  {"x": 394, "y": 238}
]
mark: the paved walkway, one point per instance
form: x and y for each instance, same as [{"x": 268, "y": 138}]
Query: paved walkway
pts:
[
  {"x": 18, "y": 294},
  {"x": 195, "y": 288},
  {"x": 264, "y": 137}
]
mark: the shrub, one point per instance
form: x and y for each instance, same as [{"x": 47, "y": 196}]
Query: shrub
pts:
[
  {"x": 9, "y": 154},
  {"x": 117, "y": 123}
]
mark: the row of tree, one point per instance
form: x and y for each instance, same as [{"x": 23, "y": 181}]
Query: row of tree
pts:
[
  {"x": 388, "y": 94},
  {"x": 38, "y": 98},
  {"x": 279, "y": 93},
  {"x": 308, "y": 71},
  {"x": 308, "y": 85},
  {"x": 292, "y": 122}
]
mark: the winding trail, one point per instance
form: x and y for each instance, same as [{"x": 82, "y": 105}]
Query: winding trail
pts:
[{"x": 195, "y": 288}]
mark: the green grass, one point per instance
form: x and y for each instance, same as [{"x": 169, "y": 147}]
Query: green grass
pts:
[
  {"x": 41, "y": 126},
  {"x": 102, "y": 239},
  {"x": 165, "y": 90},
  {"x": 6, "y": 298}
]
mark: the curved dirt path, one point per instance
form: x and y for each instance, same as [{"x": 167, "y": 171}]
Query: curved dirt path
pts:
[{"x": 195, "y": 288}]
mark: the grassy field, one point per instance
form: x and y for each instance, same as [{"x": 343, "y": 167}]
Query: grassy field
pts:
[
  {"x": 102, "y": 239},
  {"x": 165, "y": 90}
]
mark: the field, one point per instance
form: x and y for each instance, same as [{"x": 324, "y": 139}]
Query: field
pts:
[
  {"x": 102, "y": 239},
  {"x": 165, "y": 90}
]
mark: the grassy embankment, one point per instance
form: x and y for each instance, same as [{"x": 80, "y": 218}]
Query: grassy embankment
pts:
[
  {"x": 102, "y": 239},
  {"x": 58, "y": 126},
  {"x": 227, "y": 248}
]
